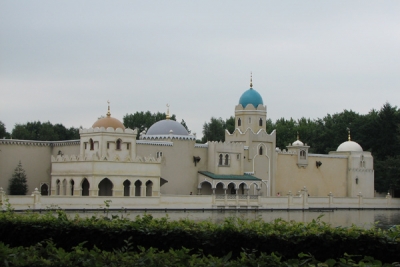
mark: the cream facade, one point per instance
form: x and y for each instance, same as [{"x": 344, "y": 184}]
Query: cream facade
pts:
[{"x": 166, "y": 160}]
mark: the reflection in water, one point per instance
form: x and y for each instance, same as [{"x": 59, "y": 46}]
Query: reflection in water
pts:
[{"x": 363, "y": 218}]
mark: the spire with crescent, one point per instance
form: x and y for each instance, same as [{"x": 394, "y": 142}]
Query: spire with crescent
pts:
[
  {"x": 168, "y": 117},
  {"x": 108, "y": 112}
]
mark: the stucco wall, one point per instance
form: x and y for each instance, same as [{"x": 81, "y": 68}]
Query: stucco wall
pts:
[
  {"x": 331, "y": 176},
  {"x": 177, "y": 165}
]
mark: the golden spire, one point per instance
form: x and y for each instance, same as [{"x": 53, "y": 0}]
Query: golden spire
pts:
[
  {"x": 349, "y": 137},
  {"x": 251, "y": 80},
  {"x": 168, "y": 112},
  {"x": 108, "y": 112}
]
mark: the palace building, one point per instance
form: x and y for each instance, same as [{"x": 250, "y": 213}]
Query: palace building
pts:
[{"x": 108, "y": 160}]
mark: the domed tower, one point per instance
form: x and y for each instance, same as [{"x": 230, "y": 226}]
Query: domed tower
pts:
[
  {"x": 108, "y": 138},
  {"x": 250, "y": 112},
  {"x": 301, "y": 151},
  {"x": 360, "y": 174}
]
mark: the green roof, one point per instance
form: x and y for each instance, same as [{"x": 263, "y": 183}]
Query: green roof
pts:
[{"x": 230, "y": 176}]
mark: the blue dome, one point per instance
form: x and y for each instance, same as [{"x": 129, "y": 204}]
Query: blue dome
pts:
[{"x": 251, "y": 96}]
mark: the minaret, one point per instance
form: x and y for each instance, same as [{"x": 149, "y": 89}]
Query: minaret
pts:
[{"x": 251, "y": 112}]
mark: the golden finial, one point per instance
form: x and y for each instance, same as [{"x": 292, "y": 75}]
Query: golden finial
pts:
[
  {"x": 168, "y": 112},
  {"x": 251, "y": 80},
  {"x": 349, "y": 137},
  {"x": 108, "y": 112}
]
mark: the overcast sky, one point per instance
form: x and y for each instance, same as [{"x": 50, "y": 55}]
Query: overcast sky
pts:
[{"x": 60, "y": 61}]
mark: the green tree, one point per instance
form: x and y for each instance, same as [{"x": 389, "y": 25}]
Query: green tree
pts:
[
  {"x": 214, "y": 130},
  {"x": 3, "y": 131},
  {"x": 184, "y": 125},
  {"x": 387, "y": 175},
  {"x": 44, "y": 132},
  {"x": 18, "y": 183}
]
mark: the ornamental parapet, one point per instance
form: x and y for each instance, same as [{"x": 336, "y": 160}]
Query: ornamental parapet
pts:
[
  {"x": 96, "y": 157},
  {"x": 39, "y": 143}
]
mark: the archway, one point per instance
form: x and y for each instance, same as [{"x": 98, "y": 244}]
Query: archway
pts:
[
  {"x": 231, "y": 189},
  {"x": 85, "y": 187},
  {"x": 127, "y": 187},
  {"x": 105, "y": 187},
  {"x": 138, "y": 186},
  {"x": 242, "y": 188},
  {"x": 206, "y": 188},
  {"x": 219, "y": 189}
]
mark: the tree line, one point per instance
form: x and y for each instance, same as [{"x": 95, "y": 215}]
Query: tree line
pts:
[{"x": 377, "y": 132}]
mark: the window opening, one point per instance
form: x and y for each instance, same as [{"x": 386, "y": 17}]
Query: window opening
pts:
[
  {"x": 260, "y": 122},
  {"x": 220, "y": 159},
  {"x": 91, "y": 144},
  {"x": 226, "y": 159},
  {"x": 260, "y": 151},
  {"x": 119, "y": 144},
  {"x": 239, "y": 122}
]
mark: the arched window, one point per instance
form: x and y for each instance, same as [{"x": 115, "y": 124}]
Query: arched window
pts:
[
  {"x": 127, "y": 186},
  {"x": 91, "y": 144},
  {"x": 58, "y": 187},
  {"x": 64, "y": 187},
  {"x": 260, "y": 122},
  {"x": 302, "y": 154},
  {"x": 362, "y": 162},
  {"x": 85, "y": 187},
  {"x": 260, "y": 150},
  {"x": 220, "y": 159},
  {"x": 226, "y": 159},
  {"x": 119, "y": 144},
  {"x": 239, "y": 122},
  {"x": 138, "y": 185},
  {"x": 72, "y": 183},
  {"x": 149, "y": 188},
  {"x": 249, "y": 120}
]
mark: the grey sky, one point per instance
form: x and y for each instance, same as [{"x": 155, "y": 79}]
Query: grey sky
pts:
[{"x": 60, "y": 61}]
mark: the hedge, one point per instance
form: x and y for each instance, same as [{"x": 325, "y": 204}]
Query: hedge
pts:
[{"x": 233, "y": 236}]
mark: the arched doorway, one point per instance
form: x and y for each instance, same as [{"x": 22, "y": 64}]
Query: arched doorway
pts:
[
  {"x": 105, "y": 187},
  {"x": 44, "y": 190},
  {"x": 149, "y": 188},
  {"x": 138, "y": 186},
  {"x": 127, "y": 187},
  {"x": 85, "y": 187}
]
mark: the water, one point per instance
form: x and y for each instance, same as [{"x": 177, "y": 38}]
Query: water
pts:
[{"x": 363, "y": 218}]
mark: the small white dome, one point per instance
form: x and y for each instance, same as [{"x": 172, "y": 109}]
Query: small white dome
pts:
[
  {"x": 297, "y": 143},
  {"x": 349, "y": 146}
]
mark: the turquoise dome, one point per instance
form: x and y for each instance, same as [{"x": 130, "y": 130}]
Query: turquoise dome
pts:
[{"x": 251, "y": 96}]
